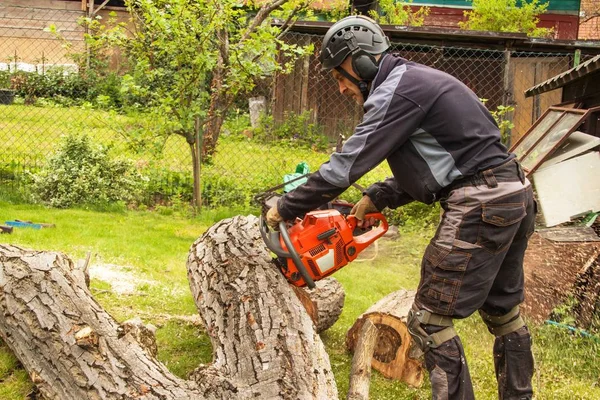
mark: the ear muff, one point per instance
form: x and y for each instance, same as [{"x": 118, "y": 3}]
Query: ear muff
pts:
[{"x": 363, "y": 63}]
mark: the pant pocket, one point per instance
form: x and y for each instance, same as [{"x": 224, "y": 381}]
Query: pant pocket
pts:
[
  {"x": 500, "y": 224},
  {"x": 442, "y": 274}
]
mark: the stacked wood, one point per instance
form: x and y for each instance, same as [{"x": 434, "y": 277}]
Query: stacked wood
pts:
[
  {"x": 264, "y": 343},
  {"x": 396, "y": 355}
]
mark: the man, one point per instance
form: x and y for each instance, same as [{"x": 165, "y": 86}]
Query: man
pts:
[{"x": 442, "y": 145}]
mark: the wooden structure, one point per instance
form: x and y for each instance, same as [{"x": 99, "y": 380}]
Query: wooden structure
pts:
[{"x": 498, "y": 67}]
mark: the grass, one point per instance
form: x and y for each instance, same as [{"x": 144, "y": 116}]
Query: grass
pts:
[{"x": 154, "y": 248}]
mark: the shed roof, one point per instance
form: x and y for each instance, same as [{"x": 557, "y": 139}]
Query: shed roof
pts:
[{"x": 560, "y": 80}]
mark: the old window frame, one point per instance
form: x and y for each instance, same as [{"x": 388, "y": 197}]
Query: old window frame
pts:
[{"x": 563, "y": 135}]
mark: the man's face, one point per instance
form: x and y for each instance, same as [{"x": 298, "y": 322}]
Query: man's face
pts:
[{"x": 348, "y": 88}]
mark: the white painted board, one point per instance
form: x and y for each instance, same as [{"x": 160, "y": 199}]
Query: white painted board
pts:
[
  {"x": 569, "y": 189},
  {"x": 577, "y": 143}
]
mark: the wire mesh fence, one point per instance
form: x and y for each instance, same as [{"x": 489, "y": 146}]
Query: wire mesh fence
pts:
[{"x": 46, "y": 95}]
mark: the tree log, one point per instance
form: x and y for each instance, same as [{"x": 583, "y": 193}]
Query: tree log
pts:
[
  {"x": 324, "y": 303},
  {"x": 264, "y": 343},
  {"x": 360, "y": 373},
  {"x": 396, "y": 356}
]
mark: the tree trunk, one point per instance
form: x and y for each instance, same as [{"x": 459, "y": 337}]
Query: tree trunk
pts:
[
  {"x": 360, "y": 373},
  {"x": 264, "y": 343},
  {"x": 324, "y": 303},
  {"x": 396, "y": 356},
  {"x": 216, "y": 112}
]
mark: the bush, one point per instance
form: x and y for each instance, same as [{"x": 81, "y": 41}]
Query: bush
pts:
[{"x": 83, "y": 173}]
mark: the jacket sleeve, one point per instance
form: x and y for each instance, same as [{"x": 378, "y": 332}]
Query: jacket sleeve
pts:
[
  {"x": 309, "y": 196},
  {"x": 387, "y": 194},
  {"x": 390, "y": 119}
]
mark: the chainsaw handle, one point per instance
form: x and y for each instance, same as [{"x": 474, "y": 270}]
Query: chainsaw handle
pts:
[
  {"x": 271, "y": 239},
  {"x": 364, "y": 240}
]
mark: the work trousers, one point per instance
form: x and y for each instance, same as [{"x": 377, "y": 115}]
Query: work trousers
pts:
[{"x": 475, "y": 262}]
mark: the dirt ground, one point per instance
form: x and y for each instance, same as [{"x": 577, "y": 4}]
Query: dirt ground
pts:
[{"x": 551, "y": 270}]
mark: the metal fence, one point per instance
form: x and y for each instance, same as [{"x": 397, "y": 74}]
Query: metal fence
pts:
[{"x": 32, "y": 125}]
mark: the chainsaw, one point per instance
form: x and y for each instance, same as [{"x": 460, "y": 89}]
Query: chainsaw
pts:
[{"x": 319, "y": 244}]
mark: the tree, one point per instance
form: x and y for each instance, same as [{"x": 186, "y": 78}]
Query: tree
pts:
[
  {"x": 191, "y": 58},
  {"x": 392, "y": 12},
  {"x": 506, "y": 16}
]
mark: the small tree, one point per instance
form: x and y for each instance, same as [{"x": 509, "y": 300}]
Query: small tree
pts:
[
  {"x": 190, "y": 59},
  {"x": 506, "y": 16}
]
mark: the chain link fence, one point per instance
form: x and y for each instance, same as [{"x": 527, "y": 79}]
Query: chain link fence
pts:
[{"x": 45, "y": 96}]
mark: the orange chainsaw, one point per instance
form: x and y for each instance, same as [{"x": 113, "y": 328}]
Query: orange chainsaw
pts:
[{"x": 319, "y": 244}]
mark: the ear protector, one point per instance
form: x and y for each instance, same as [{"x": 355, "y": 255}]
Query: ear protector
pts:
[{"x": 363, "y": 63}]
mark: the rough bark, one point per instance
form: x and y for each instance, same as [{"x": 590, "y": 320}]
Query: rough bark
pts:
[
  {"x": 324, "y": 303},
  {"x": 360, "y": 373},
  {"x": 396, "y": 356},
  {"x": 264, "y": 343}
]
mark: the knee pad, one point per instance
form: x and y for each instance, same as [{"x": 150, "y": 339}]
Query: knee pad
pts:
[
  {"x": 417, "y": 317},
  {"x": 503, "y": 324}
]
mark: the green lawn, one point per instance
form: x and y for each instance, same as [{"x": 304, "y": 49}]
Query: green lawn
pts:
[{"x": 153, "y": 247}]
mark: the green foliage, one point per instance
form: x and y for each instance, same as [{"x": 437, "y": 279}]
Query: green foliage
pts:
[
  {"x": 501, "y": 116},
  {"x": 399, "y": 13},
  {"x": 414, "y": 216},
  {"x": 297, "y": 130},
  {"x": 59, "y": 86},
  {"x": 84, "y": 173},
  {"x": 506, "y": 16}
]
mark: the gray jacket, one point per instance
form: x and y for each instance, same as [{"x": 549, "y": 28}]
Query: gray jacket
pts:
[{"x": 430, "y": 127}]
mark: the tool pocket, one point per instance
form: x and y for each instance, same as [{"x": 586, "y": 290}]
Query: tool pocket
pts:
[
  {"x": 500, "y": 224},
  {"x": 442, "y": 272}
]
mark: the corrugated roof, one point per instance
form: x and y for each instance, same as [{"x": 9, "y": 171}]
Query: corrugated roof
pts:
[{"x": 562, "y": 79}]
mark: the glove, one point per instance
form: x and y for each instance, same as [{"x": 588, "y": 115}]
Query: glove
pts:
[
  {"x": 363, "y": 207},
  {"x": 273, "y": 218}
]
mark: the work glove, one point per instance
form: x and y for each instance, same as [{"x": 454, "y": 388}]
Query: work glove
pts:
[
  {"x": 362, "y": 208},
  {"x": 273, "y": 218}
]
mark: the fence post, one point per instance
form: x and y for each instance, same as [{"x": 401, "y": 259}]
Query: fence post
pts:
[{"x": 507, "y": 96}]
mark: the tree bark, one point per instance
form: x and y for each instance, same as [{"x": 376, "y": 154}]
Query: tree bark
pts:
[
  {"x": 396, "y": 356},
  {"x": 360, "y": 373},
  {"x": 264, "y": 343},
  {"x": 324, "y": 303}
]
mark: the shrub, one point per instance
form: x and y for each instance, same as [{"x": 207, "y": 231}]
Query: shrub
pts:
[{"x": 84, "y": 173}]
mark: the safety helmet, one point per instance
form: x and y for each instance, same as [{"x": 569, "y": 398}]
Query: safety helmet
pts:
[{"x": 337, "y": 44}]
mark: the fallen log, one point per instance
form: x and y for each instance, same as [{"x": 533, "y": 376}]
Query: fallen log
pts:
[
  {"x": 264, "y": 343},
  {"x": 396, "y": 356}
]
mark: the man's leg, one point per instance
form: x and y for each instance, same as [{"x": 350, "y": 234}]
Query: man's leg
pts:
[
  {"x": 444, "y": 355},
  {"x": 513, "y": 359}
]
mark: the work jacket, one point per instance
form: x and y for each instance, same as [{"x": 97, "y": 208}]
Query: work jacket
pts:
[{"x": 429, "y": 126}]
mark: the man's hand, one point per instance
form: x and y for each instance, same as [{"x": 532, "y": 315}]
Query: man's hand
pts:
[
  {"x": 273, "y": 218},
  {"x": 362, "y": 208}
]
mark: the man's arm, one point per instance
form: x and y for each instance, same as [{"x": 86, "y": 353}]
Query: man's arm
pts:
[{"x": 387, "y": 194}]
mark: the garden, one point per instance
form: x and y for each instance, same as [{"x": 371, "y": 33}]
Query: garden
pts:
[{"x": 128, "y": 170}]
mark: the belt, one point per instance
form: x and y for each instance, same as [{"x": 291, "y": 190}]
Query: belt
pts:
[{"x": 510, "y": 171}]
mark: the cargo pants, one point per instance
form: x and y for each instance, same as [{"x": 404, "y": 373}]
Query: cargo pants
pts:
[{"x": 475, "y": 263}]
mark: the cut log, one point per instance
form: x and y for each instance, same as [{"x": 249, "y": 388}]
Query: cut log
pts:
[
  {"x": 396, "y": 355},
  {"x": 324, "y": 303},
  {"x": 264, "y": 343},
  {"x": 360, "y": 373}
]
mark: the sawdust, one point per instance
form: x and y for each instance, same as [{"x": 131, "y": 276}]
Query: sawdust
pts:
[{"x": 120, "y": 278}]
